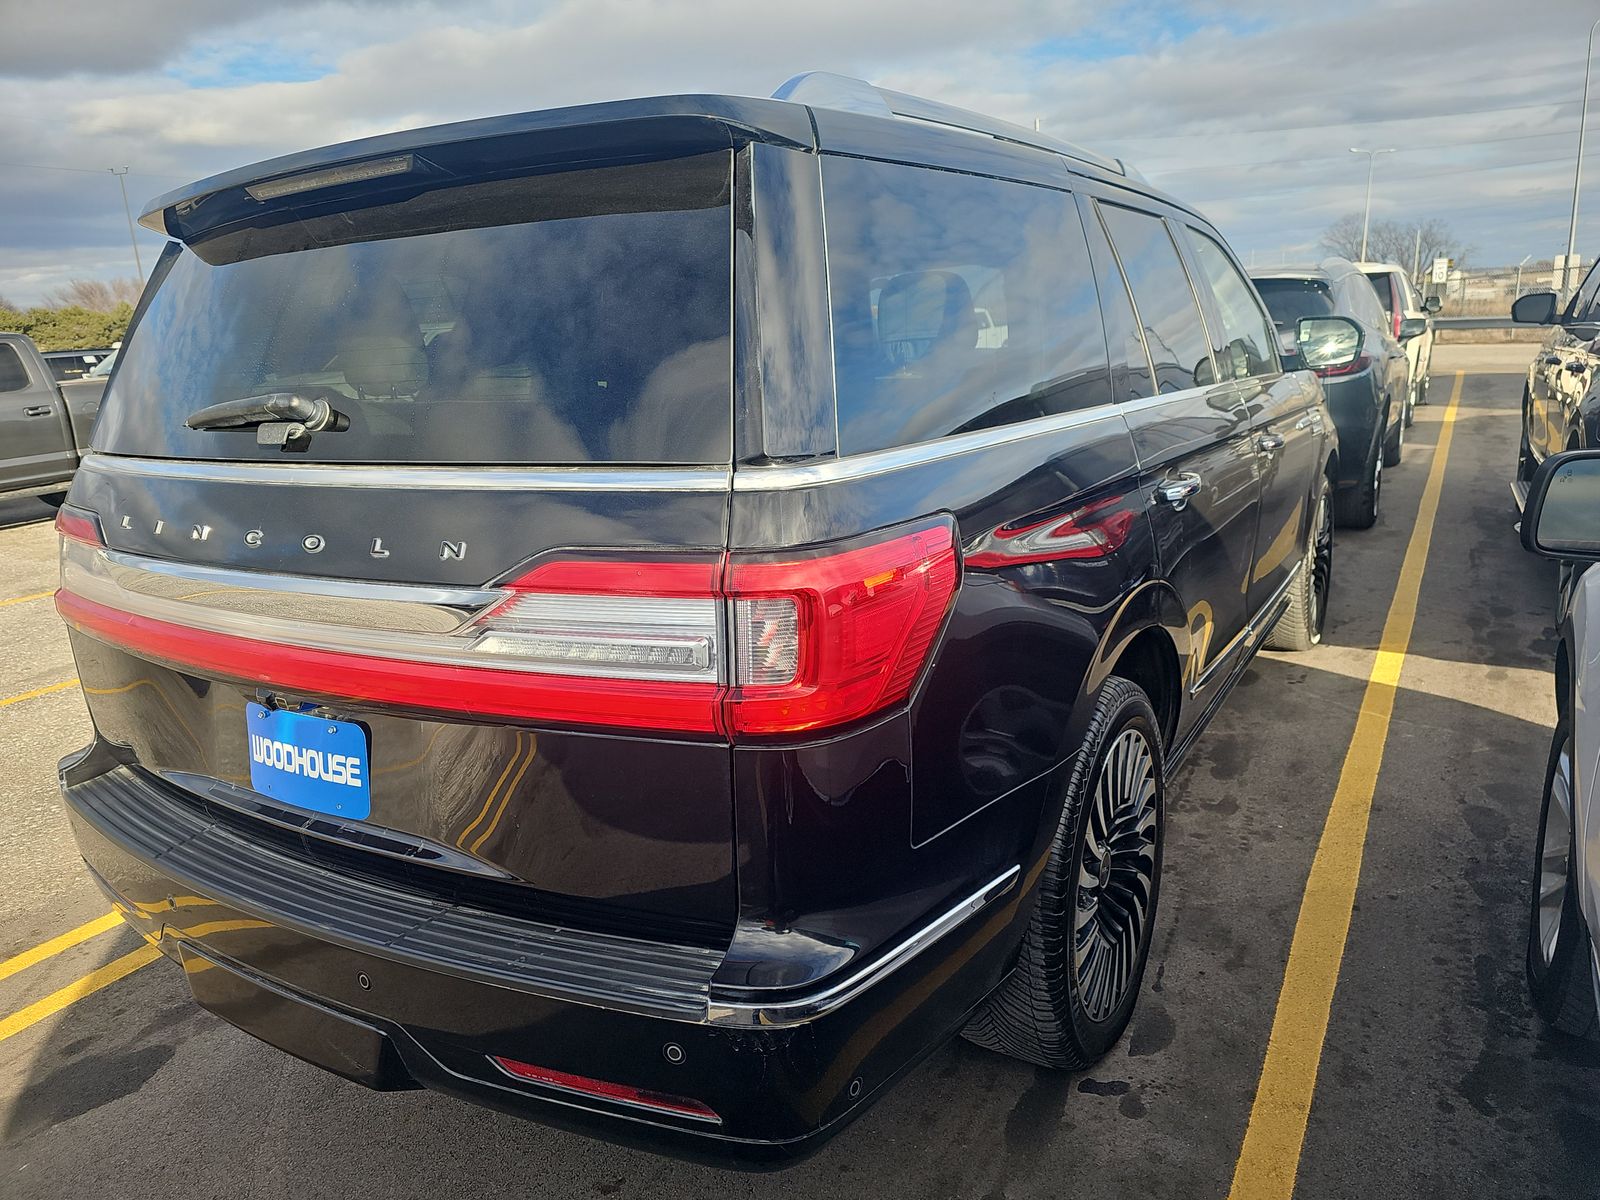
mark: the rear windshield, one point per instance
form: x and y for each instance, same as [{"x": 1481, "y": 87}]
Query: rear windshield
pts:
[
  {"x": 1290, "y": 299},
  {"x": 1384, "y": 286},
  {"x": 559, "y": 319}
]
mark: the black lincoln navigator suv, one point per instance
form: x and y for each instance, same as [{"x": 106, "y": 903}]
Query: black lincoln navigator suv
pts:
[{"x": 654, "y": 615}]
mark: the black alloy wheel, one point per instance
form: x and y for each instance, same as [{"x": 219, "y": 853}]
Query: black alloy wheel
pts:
[{"x": 1083, "y": 956}]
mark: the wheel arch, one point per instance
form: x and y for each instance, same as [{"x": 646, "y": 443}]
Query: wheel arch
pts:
[{"x": 1148, "y": 642}]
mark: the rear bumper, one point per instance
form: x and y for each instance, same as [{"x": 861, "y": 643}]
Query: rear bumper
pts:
[{"x": 350, "y": 976}]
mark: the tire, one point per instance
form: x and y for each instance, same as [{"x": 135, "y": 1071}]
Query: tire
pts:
[
  {"x": 1422, "y": 384},
  {"x": 1357, "y": 507},
  {"x": 1300, "y": 627},
  {"x": 1560, "y": 979},
  {"x": 1071, "y": 997},
  {"x": 1525, "y": 464},
  {"x": 1414, "y": 398},
  {"x": 1394, "y": 444}
]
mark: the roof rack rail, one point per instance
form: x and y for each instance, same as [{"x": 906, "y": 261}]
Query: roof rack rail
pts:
[{"x": 824, "y": 89}]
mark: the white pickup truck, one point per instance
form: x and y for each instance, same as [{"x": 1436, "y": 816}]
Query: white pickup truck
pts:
[{"x": 44, "y": 425}]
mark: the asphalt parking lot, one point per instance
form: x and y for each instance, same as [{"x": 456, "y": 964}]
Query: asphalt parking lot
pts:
[{"x": 1434, "y": 1078}]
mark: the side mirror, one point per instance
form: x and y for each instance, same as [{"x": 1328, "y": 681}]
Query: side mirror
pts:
[
  {"x": 1411, "y": 327},
  {"x": 1432, "y": 304},
  {"x": 1536, "y": 308},
  {"x": 1561, "y": 518},
  {"x": 1327, "y": 342}
]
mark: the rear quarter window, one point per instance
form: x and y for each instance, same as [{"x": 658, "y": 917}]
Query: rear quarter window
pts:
[
  {"x": 1288, "y": 300},
  {"x": 13, "y": 375},
  {"x": 959, "y": 303},
  {"x": 567, "y": 318},
  {"x": 1383, "y": 287}
]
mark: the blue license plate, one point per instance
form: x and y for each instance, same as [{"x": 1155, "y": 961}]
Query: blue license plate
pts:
[{"x": 309, "y": 762}]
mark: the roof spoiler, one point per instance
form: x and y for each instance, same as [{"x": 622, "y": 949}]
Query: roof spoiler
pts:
[{"x": 623, "y": 130}]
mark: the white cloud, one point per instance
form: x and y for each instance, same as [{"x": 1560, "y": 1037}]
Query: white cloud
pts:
[{"x": 1244, "y": 109}]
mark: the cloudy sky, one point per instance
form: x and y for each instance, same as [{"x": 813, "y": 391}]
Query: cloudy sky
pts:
[{"x": 1246, "y": 109}]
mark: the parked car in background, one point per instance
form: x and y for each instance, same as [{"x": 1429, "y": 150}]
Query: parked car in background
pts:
[
  {"x": 1561, "y": 400},
  {"x": 73, "y": 364},
  {"x": 1366, "y": 393},
  {"x": 1561, "y": 520},
  {"x": 103, "y": 368},
  {"x": 660, "y": 706},
  {"x": 44, "y": 426},
  {"x": 1400, "y": 300}
]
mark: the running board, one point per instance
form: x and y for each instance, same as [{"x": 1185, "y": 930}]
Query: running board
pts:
[{"x": 1519, "y": 493}]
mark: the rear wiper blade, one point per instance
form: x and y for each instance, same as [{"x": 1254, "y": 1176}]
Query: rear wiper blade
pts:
[{"x": 279, "y": 418}]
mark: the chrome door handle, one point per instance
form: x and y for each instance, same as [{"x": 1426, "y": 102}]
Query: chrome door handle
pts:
[
  {"x": 1269, "y": 443},
  {"x": 1310, "y": 421},
  {"x": 1178, "y": 490},
  {"x": 38, "y": 410}
]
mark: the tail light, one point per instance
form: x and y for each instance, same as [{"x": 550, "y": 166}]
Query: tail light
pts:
[
  {"x": 738, "y": 645},
  {"x": 1094, "y": 531},
  {"x": 1359, "y": 363},
  {"x": 832, "y": 637},
  {"x": 1399, "y": 309},
  {"x": 78, "y": 524}
]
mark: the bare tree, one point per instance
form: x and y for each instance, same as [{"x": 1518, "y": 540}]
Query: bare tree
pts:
[
  {"x": 96, "y": 295},
  {"x": 1398, "y": 242},
  {"x": 7, "y": 306}
]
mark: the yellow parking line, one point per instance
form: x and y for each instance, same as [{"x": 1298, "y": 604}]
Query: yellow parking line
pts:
[
  {"x": 25, "y": 599},
  {"x": 37, "y": 692},
  {"x": 1270, "y": 1157},
  {"x": 65, "y": 941},
  {"x": 117, "y": 968}
]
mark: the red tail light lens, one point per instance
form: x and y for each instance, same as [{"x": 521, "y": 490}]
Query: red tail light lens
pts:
[
  {"x": 79, "y": 524},
  {"x": 1359, "y": 363},
  {"x": 831, "y": 638},
  {"x": 617, "y": 1093},
  {"x": 737, "y": 645},
  {"x": 1094, "y": 531}
]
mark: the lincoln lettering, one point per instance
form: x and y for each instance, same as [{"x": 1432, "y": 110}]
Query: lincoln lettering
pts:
[{"x": 298, "y": 760}]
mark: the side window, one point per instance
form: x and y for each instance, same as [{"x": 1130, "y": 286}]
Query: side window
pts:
[
  {"x": 1586, "y": 303},
  {"x": 1180, "y": 349},
  {"x": 13, "y": 375},
  {"x": 1246, "y": 336},
  {"x": 1130, "y": 365},
  {"x": 1372, "y": 309},
  {"x": 959, "y": 303}
]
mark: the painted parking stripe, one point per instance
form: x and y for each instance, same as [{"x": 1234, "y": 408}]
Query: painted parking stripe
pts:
[
  {"x": 1270, "y": 1157},
  {"x": 94, "y": 981},
  {"x": 27, "y": 598},
  {"x": 65, "y": 941},
  {"x": 37, "y": 692}
]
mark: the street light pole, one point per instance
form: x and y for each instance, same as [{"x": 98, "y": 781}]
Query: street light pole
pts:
[
  {"x": 1520, "y": 265},
  {"x": 1366, "y": 215},
  {"x": 1577, "y": 171},
  {"x": 122, "y": 178}
]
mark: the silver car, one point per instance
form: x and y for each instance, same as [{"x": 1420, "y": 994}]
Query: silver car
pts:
[{"x": 1561, "y": 520}]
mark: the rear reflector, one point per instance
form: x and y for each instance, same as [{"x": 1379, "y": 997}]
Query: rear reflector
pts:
[
  {"x": 617, "y": 1093},
  {"x": 736, "y": 645}
]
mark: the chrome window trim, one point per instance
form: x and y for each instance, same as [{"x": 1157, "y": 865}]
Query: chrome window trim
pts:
[
  {"x": 802, "y": 1009},
  {"x": 449, "y": 478},
  {"x": 880, "y": 462}
]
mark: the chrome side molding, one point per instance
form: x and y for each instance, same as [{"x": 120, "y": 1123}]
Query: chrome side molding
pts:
[{"x": 810, "y": 1006}]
